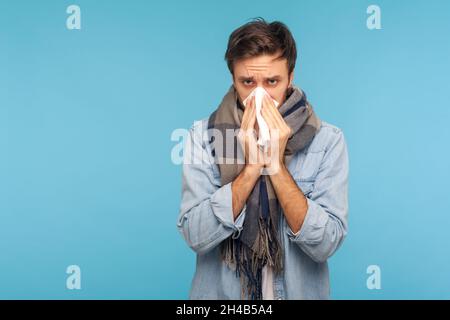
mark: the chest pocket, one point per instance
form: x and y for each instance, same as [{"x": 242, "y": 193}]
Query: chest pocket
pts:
[{"x": 305, "y": 167}]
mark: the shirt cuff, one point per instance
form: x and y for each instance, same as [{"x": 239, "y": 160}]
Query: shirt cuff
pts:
[
  {"x": 222, "y": 207},
  {"x": 313, "y": 226}
]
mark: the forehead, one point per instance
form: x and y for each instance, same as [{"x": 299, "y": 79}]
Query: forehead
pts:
[{"x": 263, "y": 65}]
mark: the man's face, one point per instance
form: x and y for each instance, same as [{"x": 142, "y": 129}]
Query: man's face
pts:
[{"x": 262, "y": 71}]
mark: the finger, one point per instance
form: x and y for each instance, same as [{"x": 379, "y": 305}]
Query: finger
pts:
[
  {"x": 278, "y": 119},
  {"x": 269, "y": 118},
  {"x": 245, "y": 116},
  {"x": 273, "y": 111},
  {"x": 249, "y": 113},
  {"x": 252, "y": 116}
]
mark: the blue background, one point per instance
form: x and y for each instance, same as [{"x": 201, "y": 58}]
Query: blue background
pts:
[{"x": 86, "y": 117}]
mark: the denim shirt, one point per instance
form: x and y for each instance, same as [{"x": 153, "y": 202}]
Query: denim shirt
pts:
[{"x": 206, "y": 218}]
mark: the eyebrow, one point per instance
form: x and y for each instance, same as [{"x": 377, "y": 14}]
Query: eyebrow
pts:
[{"x": 243, "y": 78}]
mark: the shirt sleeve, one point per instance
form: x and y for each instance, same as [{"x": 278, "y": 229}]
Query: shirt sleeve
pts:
[
  {"x": 206, "y": 214},
  {"x": 325, "y": 225}
]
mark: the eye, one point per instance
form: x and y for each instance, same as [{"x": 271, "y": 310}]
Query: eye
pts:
[
  {"x": 247, "y": 82},
  {"x": 272, "y": 82}
]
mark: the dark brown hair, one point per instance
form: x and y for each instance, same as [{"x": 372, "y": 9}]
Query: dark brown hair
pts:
[{"x": 259, "y": 37}]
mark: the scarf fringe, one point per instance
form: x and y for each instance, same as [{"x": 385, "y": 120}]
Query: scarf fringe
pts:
[{"x": 248, "y": 262}]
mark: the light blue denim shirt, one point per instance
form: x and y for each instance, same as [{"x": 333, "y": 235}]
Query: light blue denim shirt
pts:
[{"x": 206, "y": 217}]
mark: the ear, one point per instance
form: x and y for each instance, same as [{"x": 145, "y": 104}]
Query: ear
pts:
[{"x": 291, "y": 79}]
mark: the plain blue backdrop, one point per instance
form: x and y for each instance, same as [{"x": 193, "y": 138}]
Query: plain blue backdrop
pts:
[{"x": 86, "y": 117}]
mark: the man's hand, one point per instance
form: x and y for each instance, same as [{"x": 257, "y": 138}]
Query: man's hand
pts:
[
  {"x": 254, "y": 158},
  {"x": 292, "y": 200},
  {"x": 244, "y": 183},
  {"x": 280, "y": 132}
]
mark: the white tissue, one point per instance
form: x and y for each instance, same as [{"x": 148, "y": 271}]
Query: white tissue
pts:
[{"x": 264, "y": 134}]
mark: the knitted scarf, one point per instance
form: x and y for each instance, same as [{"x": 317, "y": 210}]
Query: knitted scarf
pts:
[{"x": 258, "y": 243}]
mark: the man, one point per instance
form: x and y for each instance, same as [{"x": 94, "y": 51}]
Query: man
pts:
[{"x": 263, "y": 224}]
